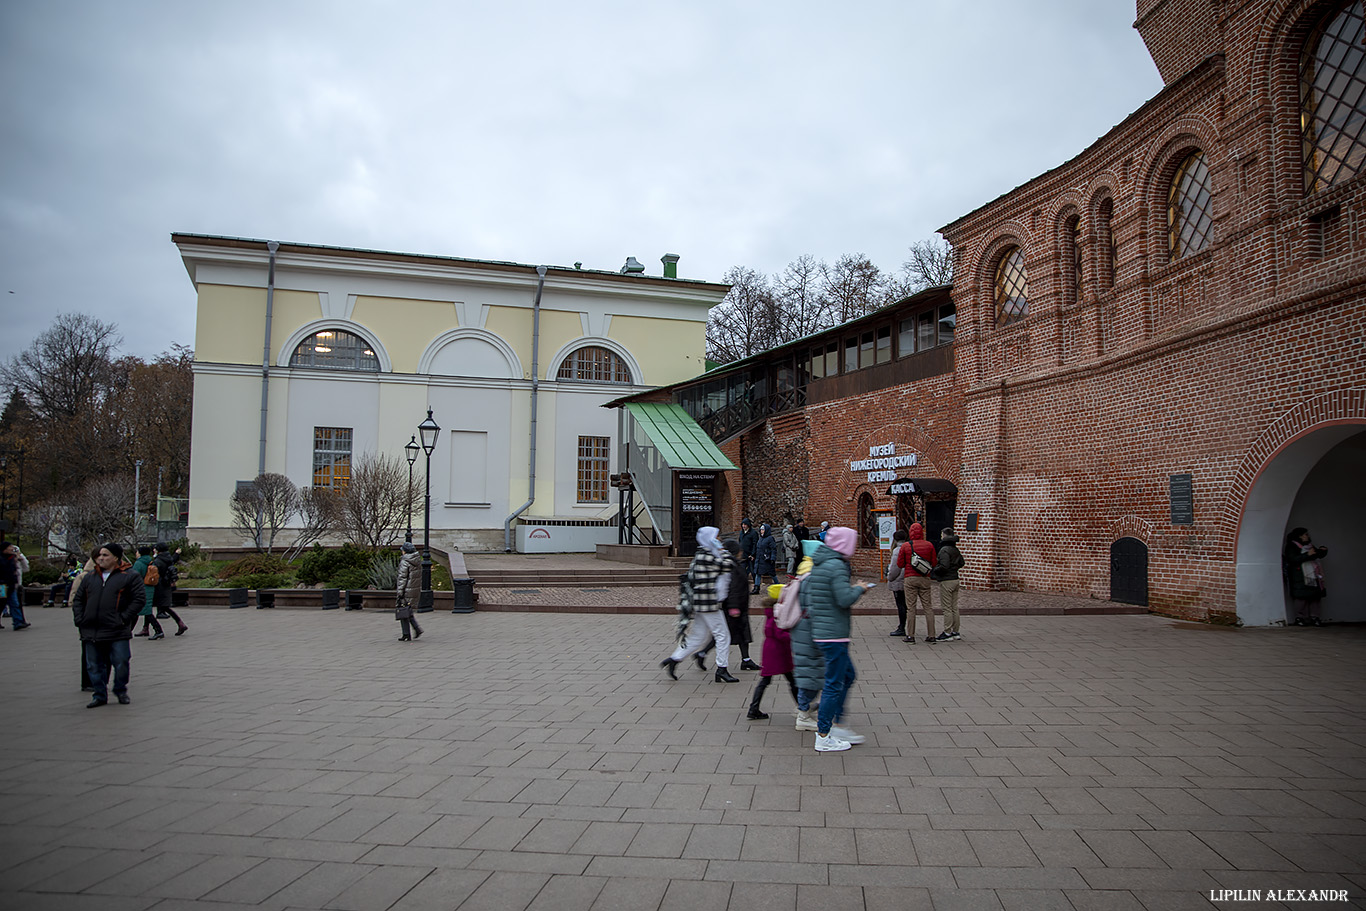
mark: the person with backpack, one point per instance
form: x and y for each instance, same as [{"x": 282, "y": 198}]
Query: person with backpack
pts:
[
  {"x": 705, "y": 596},
  {"x": 167, "y": 573},
  {"x": 808, "y": 665},
  {"x": 828, "y": 598},
  {"x": 946, "y": 574},
  {"x": 916, "y": 559},
  {"x": 150, "y": 573}
]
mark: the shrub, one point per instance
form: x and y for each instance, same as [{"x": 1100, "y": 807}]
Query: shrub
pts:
[
  {"x": 345, "y": 567},
  {"x": 255, "y": 564},
  {"x": 42, "y": 572},
  {"x": 260, "y": 580},
  {"x": 384, "y": 571},
  {"x": 188, "y": 551}
]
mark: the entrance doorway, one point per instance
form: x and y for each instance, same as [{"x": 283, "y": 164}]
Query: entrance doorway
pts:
[
  {"x": 1315, "y": 482},
  {"x": 1129, "y": 572},
  {"x": 929, "y": 501}
]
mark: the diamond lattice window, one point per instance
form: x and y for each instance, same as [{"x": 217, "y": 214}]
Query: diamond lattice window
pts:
[
  {"x": 1012, "y": 287},
  {"x": 335, "y": 349},
  {"x": 1190, "y": 210},
  {"x": 1332, "y": 109}
]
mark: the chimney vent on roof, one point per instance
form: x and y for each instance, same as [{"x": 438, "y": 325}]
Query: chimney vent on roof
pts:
[
  {"x": 632, "y": 267},
  {"x": 670, "y": 261}
]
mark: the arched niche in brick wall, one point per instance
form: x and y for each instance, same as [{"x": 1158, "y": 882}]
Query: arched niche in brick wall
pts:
[{"x": 1266, "y": 493}]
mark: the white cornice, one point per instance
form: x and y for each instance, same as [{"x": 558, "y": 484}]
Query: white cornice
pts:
[{"x": 444, "y": 274}]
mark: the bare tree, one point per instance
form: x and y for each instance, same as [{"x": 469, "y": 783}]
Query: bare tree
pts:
[
  {"x": 374, "y": 507},
  {"x": 798, "y": 291},
  {"x": 929, "y": 264},
  {"x": 852, "y": 287},
  {"x": 319, "y": 512},
  {"x": 263, "y": 507},
  {"x": 743, "y": 323},
  {"x": 67, "y": 368},
  {"x": 102, "y": 510}
]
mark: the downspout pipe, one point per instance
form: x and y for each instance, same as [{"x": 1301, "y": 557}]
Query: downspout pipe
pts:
[
  {"x": 535, "y": 388},
  {"x": 272, "y": 246}
]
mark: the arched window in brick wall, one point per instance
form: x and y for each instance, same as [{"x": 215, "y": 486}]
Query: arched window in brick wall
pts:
[
  {"x": 1012, "y": 287},
  {"x": 1333, "y": 99},
  {"x": 1105, "y": 244},
  {"x": 1190, "y": 207},
  {"x": 867, "y": 521}
]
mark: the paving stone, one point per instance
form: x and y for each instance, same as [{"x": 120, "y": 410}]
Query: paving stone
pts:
[{"x": 1016, "y": 774}]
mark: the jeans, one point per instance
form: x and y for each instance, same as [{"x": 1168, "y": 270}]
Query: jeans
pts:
[
  {"x": 839, "y": 676},
  {"x": 804, "y": 698},
  {"x": 98, "y": 658},
  {"x": 16, "y": 610}
]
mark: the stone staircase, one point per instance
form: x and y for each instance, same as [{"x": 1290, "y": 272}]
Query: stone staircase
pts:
[{"x": 634, "y": 577}]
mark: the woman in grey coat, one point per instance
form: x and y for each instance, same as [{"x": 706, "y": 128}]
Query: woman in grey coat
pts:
[{"x": 409, "y": 591}]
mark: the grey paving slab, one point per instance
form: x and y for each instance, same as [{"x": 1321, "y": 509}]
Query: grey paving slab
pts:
[{"x": 307, "y": 760}]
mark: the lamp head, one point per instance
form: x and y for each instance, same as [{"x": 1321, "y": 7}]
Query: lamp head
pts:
[
  {"x": 411, "y": 450},
  {"x": 429, "y": 431}
]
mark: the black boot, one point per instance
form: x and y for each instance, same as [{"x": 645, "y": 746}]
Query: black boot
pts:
[
  {"x": 748, "y": 665},
  {"x": 669, "y": 664},
  {"x": 701, "y": 662},
  {"x": 723, "y": 676},
  {"x": 754, "y": 713}
]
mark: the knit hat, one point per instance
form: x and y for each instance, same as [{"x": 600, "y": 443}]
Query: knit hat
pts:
[
  {"x": 775, "y": 591},
  {"x": 841, "y": 540},
  {"x": 408, "y": 547}
]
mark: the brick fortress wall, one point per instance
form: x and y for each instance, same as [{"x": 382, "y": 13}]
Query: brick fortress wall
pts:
[{"x": 1077, "y": 415}]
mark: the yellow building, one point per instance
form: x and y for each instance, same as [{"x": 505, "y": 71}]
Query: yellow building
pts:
[{"x": 307, "y": 357}]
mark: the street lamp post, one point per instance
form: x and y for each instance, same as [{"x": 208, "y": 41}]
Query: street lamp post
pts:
[
  {"x": 137, "y": 492},
  {"x": 410, "y": 450},
  {"x": 429, "y": 431},
  {"x": 4, "y": 495}
]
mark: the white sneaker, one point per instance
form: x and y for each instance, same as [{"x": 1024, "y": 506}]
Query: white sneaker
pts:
[
  {"x": 806, "y": 721},
  {"x": 830, "y": 743},
  {"x": 841, "y": 732}
]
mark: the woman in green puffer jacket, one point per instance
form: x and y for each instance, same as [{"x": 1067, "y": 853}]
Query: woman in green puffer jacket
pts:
[{"x": 828, "y": 597}]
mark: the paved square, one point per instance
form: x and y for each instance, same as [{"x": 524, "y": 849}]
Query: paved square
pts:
[{"x": 296, "y": 759}]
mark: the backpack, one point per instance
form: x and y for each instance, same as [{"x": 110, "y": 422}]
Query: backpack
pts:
[
  {"x": 172, "y": 574},
  {"x": 153, "y": 575},
  {"x": 787, "y": 613}
]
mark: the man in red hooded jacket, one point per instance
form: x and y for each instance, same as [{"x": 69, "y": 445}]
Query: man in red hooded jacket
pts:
[{"x": 917, "y": 583}]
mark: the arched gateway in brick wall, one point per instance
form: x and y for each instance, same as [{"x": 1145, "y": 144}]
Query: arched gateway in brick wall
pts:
[{"x": 1307, "y": 470}]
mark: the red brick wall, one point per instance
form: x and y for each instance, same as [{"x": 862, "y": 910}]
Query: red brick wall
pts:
[
  {"x": 1061, "y": 431},
  {"x": 1076, "y": 416}
]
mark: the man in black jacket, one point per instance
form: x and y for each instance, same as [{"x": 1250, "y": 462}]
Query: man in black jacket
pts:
[{"x": 104, "y": 608}]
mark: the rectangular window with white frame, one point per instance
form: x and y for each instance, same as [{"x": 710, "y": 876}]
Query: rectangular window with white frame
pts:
[
  {"x": 594, "y": 465},
  {"x": 332, "y": 457}
]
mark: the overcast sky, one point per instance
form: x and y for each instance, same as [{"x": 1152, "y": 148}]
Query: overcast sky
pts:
[{"x": 731, "y": 133}]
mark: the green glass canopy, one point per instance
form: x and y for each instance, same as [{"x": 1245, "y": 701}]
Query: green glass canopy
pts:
[{"x": 679, "y": 439}]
